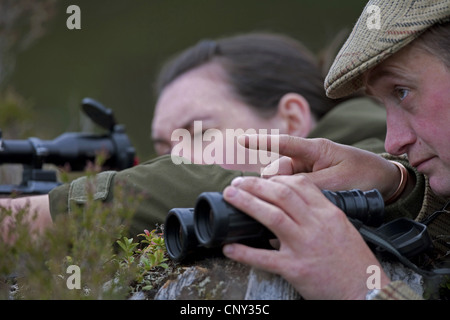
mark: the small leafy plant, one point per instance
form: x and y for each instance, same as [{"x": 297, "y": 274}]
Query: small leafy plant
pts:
[
  {"x": 148, "y": 258},
  {"x": 154, "y": 254}
]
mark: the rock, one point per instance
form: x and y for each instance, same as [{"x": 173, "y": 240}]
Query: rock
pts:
[
  {"x": 397, "y": 271},
  {"x": 224, "y": 279},
  {"x": 138, "y": 296},
  {"x": 263, "y": 285}
]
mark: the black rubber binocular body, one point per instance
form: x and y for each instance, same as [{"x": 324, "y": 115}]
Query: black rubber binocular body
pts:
[{"x": 213, "y": 222}]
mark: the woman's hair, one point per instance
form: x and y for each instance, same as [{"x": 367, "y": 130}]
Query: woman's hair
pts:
[
  {"x": 260, "y": 67},
  {"x": 436, "y": 41}
]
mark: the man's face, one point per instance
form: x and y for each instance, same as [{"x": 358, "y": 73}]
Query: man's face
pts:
[{"x": 414, "y": 86}]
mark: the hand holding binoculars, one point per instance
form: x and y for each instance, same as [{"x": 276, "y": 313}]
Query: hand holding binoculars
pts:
[{"x": 204, "y": 229}]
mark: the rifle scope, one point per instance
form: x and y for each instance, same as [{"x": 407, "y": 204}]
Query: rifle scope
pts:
[
  {"x": 214, "y": 222},
  {"x": 73, "y": 148}
]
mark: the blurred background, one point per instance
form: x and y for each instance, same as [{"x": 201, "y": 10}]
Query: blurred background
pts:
[{"x": 47, "y": 69}]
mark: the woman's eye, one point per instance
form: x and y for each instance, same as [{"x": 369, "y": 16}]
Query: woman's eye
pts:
[{"x": 401, "y": 93}]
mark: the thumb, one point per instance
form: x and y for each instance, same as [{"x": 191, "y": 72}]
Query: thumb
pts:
[{"x": 281, "y": 166}]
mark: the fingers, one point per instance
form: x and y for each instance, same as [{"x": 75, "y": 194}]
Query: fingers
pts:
[
  {"x": 329, "y": 165},
  {"x": 292, "y": 193},
  {"x": 307, "y": 155},
  {"x": 263, "y": 211},
  {"x": 281, "y": 166},
  {"x": 286, "y": 145},
  {"x": 263, "y": 259},
  {"x": 280, "y": 203}
]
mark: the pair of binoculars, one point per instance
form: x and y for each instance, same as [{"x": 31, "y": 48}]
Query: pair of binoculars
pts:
[{"x": 213, "y": 222}]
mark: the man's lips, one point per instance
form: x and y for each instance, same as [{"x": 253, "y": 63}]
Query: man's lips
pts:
[{"x": 419, "y": 163}]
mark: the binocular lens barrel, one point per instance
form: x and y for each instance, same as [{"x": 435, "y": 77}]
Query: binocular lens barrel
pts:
[
  {"x": 367, "y": 206},
  {"x": 180, "y": 238},
  {"x": 179, "y": 233},
  {"x": 214, "y": 222}
]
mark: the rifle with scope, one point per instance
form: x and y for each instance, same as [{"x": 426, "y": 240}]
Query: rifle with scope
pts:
[{"x": 74, "y": 149}]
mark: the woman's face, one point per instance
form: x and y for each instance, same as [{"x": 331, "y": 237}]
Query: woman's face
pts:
[
  {"x": 415, "y": 88},
  {"x": 201, "y": 103}
]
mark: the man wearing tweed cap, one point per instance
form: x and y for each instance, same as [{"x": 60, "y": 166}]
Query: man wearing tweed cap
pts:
[{"x": 405, "y": 63}]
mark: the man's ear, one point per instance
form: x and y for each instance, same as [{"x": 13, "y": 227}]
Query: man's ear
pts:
[{"x": 295, "y": 111}]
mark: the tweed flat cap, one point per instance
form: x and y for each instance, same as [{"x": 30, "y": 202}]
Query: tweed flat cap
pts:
[{"x": 384, "y": 27}]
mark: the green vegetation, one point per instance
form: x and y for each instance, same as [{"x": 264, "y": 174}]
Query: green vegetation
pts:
[{"x": 94, "y": 239}]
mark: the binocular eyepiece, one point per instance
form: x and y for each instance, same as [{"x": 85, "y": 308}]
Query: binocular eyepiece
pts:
[{"x": 212, "y": 223}]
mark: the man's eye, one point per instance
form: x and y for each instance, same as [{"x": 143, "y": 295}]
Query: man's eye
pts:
[{"x": 401, "y": 93}]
